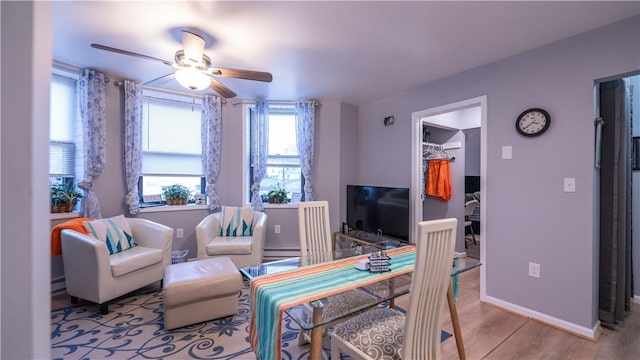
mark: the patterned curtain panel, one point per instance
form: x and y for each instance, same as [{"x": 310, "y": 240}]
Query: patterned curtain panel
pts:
[
  {"x": 211, "y": 145},
  {"x": 132, "y": 143},
  {"x": 91, "y": 89},
  {"x": 305, "y": 119},
  {"x": 259, "y": 136}
]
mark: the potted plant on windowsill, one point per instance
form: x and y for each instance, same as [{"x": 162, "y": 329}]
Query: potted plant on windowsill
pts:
[
  {"x": 277, "y": 195},
  {"x": 176, "y": 194},
  {"x": 64, "y": 198}
]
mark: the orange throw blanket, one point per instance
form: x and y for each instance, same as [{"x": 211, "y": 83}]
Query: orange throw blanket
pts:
[
  {"x": 74, "y": 224},
  {"x": 439, "y": 182}
]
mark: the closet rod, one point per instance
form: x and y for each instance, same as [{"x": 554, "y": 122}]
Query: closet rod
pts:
[{"x": 432, "y": 147}]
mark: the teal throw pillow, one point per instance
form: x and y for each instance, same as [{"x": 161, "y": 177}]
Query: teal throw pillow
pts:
[
  {"x": 115, "y": 232},
  {"x": 236, "y": 221}
]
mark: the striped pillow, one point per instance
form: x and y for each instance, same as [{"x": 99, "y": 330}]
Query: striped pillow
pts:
[
  {"x": 115, "y": 232},
  {"x": 236, "y": 221}
]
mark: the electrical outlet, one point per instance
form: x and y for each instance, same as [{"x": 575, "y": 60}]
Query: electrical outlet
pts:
[
  {"x": 180, "y": 233},
  {"x": 276, "y": 229},
  {"x": 534, "y": 270},
  {"x": 569, "y": 184}
]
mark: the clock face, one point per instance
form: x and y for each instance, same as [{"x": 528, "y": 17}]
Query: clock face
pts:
[{"x": 533, "y": 122}]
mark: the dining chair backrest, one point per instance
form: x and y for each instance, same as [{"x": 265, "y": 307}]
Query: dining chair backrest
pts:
[
  {"x": 315, "y": 232},
  {"x": 429, "y": 285},
  {"x": 469, "y": 207}
]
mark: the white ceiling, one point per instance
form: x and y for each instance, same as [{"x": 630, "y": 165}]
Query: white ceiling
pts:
[{"x": 350, "y": 51}]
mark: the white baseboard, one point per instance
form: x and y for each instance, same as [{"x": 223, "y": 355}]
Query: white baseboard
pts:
[
  {"x": 589, "y": 333},
  {"x": 277, "y": 254},
  {"x": 636, "y": 299},
  {"x": 58, "y": 284}
]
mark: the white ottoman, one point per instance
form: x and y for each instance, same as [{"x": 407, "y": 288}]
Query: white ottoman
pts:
[{"x": 201, "y": 290}]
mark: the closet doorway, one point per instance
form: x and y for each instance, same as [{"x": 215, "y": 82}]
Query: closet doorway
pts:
[{"x": 449, "y": 126}]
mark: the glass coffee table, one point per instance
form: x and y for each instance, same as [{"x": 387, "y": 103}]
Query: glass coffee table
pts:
[{"x": 319, "y": 314}]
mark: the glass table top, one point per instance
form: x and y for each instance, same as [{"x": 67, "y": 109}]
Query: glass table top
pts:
[{"x": 336, "y": 307}]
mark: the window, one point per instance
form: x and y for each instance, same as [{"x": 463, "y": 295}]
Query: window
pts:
[
  {"x": 283, "y": 163},
  {"x": 171, "y": 145},
  {"x": 65, "y": 135}
]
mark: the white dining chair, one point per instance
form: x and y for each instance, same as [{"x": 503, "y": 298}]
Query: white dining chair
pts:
[
  {"x": 315, "y": 231},
  {"x": 390, "y": 334},
  {"x": 316, "y": 246}
]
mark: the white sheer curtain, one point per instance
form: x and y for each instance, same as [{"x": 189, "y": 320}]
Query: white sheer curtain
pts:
[
  {"x": 91, "y": 89},
  {"x": 132, "y": 143},
  {"x": 259, "y": 137},
  {"x": 305, "y": 119},
  {"x": 211, "y": 145}
]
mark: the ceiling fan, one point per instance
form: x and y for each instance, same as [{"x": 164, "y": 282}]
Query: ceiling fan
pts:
[{"x": 193, "y": 67}]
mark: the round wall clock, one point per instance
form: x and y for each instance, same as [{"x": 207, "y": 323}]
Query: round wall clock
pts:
[{"x": 533, "y": 122}]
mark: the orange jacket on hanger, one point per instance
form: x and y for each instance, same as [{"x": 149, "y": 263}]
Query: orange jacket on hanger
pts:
[{"x": 439, "y": 181}]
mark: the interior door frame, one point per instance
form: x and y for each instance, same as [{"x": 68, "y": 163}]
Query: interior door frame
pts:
[{"x": 415, "y": 210}]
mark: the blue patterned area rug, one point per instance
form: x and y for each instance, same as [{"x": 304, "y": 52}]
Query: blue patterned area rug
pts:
[{"x": 134, "y": 329}]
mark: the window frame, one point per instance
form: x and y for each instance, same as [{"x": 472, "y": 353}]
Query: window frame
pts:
[
  {"x": 62, "y": 75},
  {"x": 180, "y": 101},
  {"x": 248, "y": 110}
]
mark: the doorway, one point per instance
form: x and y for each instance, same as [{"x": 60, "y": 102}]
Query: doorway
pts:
[
  {"x": 618, "y": 186},
  {"x": 451, "y": 125}
]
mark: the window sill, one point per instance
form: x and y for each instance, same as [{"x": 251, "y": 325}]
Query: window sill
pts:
[
  {"x": 166, "y": 208},
  {"x": 280, "y": 206},
  {"x": 62, "y": 216}
]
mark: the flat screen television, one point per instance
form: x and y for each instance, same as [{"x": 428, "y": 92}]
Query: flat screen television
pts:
[{"x": 373, "y": 208}]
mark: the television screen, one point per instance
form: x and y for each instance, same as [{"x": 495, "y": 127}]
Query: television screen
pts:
[{"x": 375, "y": 209}]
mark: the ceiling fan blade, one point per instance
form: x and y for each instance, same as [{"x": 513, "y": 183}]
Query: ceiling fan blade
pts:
[
  {"x": 242, "y": 74},
  {"x": 193, "y": 47},
  {"x": 158, "y": 78},
  {"x": 125, "y": 52},
  {"x": 222, "y": 89}
]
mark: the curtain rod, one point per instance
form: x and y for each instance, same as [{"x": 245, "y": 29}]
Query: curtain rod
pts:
[
  {"x": 120, "y": 83},
  {"x": 274, "y": 102},
  {"x": 66, "y": 67}
]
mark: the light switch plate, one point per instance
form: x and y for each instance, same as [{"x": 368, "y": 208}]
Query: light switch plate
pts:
[{"x": 507, "y": 152}]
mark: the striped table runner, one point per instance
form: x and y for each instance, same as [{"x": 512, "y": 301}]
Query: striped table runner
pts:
[{"x": 271, "y": 295}]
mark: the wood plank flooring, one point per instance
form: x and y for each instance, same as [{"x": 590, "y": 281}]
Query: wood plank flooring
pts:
[{"x": 495, "y": 334}]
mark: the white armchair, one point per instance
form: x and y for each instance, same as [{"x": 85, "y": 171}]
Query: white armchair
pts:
[
  {"x": 242, "y": 250},
  {"x": 92, "y": 274}
]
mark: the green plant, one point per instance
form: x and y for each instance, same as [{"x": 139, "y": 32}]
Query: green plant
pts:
[
  {"x": 64, "y": 197},
  {"x": 277, "y": 195},
  {"x": 176, "y": 194}
]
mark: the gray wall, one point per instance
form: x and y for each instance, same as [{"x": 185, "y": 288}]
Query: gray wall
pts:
[
  {"x": 472, "y": 152},
  {"x": 529, "y": 217},
  {"x": 348, "y": 154}
]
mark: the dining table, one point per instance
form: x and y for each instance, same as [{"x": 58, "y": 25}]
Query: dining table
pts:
[{"x": 311, "y": 291}]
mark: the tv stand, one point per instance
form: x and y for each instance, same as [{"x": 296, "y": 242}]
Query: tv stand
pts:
[{"x": 362, "y": 238}]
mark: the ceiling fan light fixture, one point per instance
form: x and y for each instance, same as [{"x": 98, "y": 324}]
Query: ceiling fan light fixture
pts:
[
  {"x": 193, "y": 47},
  {"x": 192, "y": 79}
]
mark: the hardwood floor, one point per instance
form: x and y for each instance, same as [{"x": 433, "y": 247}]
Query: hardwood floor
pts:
[{"x": 495, "y": 334}]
